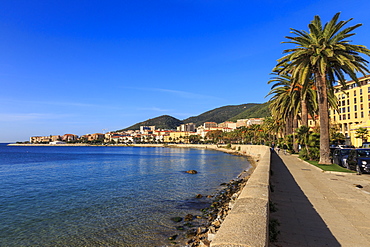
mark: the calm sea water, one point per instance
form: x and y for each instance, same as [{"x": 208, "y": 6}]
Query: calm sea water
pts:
[{"x": 103, "y": 196}]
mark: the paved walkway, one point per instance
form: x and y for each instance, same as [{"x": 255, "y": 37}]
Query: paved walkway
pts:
[{"x": 319, "y": 209}]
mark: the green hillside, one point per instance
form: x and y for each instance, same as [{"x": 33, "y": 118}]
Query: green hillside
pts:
[
  {"x": 220, "y": 114},
  {"x": 256, "y": 111},
  {"x": 161, "y": 122}
]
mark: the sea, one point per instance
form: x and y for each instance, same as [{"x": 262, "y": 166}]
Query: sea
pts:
[{"x": 105, "y": 196}]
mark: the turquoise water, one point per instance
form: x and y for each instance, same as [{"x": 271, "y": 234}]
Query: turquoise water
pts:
[{"x": 104, "y": 196}]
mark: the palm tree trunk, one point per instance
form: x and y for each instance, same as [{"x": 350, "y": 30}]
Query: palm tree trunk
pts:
[
  {"x": 289, "y": 124},
  {"x": 295, "y": 126},
  {"x": 304, "y": 113},
  {"x": 324, "y": 118}
]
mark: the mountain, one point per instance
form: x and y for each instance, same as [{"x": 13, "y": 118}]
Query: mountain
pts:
[
  {"x": 256, "y": 111},
  {"x": 161, "y": 122},
  {"x": 218, "y": 115}
]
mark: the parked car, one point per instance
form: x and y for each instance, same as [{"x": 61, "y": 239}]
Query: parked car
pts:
[
  {"x": 340, "y": 156},
  {"x": 366, "y": 145},
  {"x": 359, "y": 160}
]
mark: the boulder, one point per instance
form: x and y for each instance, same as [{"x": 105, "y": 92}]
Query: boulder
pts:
[{"x": 192, "y": 172}]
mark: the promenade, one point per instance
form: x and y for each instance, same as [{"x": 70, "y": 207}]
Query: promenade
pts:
[{"x": 316, "y": 208}]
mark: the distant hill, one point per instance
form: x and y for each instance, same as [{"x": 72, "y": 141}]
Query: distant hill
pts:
[
  {"x": 256, "y": 111},
  {"x": 161, "y": 122},
  {"x": 218, "y": 115}
]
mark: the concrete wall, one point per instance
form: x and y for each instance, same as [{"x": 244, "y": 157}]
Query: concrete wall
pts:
[{"x": 247, "y": 222}]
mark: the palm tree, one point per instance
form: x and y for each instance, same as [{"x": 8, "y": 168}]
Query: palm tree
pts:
[
  {"x": 303, "y": 134},
  {"x": 325, "y": 54},
  {"x": 283, "y": 102},
  {"x": 362, "y": 133}
]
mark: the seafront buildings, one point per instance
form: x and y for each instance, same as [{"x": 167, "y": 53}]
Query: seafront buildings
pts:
[
  {"x": 185, "y": 133},
  {"x": 353, "y": 109}
]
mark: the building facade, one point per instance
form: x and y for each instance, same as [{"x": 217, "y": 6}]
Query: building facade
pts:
[{"x": 353, "y": 109}]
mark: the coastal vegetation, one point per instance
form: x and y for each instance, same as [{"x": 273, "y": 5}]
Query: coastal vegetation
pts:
[{"x": 321, "y": 57}]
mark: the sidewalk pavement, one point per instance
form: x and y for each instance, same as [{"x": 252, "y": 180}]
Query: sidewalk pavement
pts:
[{"x": 316, "y": 208}]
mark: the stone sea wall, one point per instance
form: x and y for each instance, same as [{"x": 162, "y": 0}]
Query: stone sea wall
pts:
[
  {"x": 247, "y": 222},
  {"x": 247, "y": 218}
]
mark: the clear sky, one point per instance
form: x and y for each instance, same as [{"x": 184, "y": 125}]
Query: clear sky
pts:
[{"x": 84, "y": 67}]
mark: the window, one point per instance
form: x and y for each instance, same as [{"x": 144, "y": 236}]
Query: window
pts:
[
  {"x": 361, "y": 99},
  {"x": 362, "y": 107},
  {"x": 355, "y": 114},
  {"x": 347, "y": 101},
  {"x": 343, "y": 110},
  {"x": 355, "y": 100},
  {"x": 334, "y": 118},
  {"x": 348, "y": 109},
  {"x": 360, "y": 91},
  {"x": 344, "y": 117},
  {"x": 349, "y": 116},
  {"x": 362, "y": 114},
  {"x": 368, "y": 89},
  {"x": 355, "y": 107},
  {"x": 354, "y": 93},
  {"x": 343, "y": 102}
]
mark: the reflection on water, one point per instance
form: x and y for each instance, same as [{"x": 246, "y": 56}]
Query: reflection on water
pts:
[{"x": 111, "y": 196}]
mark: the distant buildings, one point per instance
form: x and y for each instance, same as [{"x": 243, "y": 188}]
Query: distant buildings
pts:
[{"x": 185, "y": 133}]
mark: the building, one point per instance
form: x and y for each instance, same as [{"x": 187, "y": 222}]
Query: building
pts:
[
  {"x": 69, "y": 138},
  {"x": 353, "y": 109},
  {"x": 227, "y": 124},
  {"x": 253, "y": 121},
  {"x": 241, "y": 122},
  {"x": 187, "y": 127},
  {"x": 147, "y": 129},
  {"x": 93, "y": 137},
  {"x": 208, "y": 125},
  {"x": 45, "y": 139},
  {"x": 178, "y": 136}
]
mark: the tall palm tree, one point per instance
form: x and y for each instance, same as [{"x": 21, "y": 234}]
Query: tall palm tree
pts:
[
  {"x": 283, "y": 101},
  {"x": 325, "y": 54}
]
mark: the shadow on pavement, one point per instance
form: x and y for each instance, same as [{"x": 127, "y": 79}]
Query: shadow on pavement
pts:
[{"x": 300, "y": 224}]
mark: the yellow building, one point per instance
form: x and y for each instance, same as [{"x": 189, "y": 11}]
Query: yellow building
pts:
[
  {"x": 178, "y": 136},
  {"x": 353, "y": 109}
]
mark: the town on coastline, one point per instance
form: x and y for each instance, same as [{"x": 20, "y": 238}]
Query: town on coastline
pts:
[{"x": 185, "y": 133}]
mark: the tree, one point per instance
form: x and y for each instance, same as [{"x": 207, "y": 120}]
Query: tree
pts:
[
  {"x": 325, "y": 54},
  {"x": 303, "y": 134},
  {"x": 214, "y": 135},
  {"x": 362, "y": 133},
  {"x": 194, "y": 138}
]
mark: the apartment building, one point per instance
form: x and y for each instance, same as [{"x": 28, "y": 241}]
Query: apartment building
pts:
[
  {"x": 228, "y": 124},
  {"x": 187, "y": 127},
  {"x": 353, "y": 109},
  {"x": 208, "y": 125}
]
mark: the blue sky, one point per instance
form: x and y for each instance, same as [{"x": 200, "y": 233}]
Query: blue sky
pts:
[{"x": 83, "y": 66}]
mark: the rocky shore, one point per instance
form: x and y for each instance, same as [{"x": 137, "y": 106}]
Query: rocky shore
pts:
[{"x": 200, "y": 230}]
